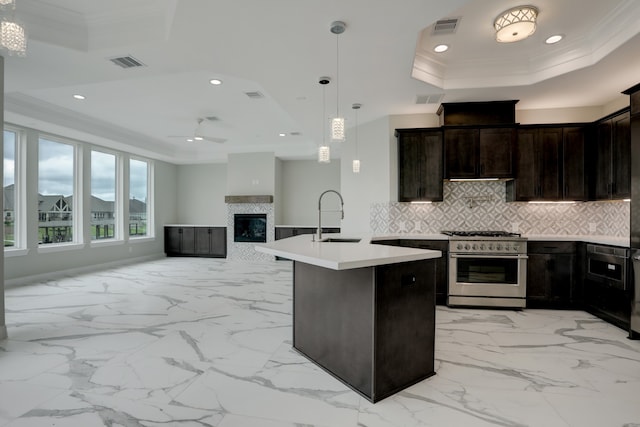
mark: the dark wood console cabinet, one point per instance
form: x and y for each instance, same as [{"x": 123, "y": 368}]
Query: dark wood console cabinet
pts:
[{"x": 195, "y": 241}]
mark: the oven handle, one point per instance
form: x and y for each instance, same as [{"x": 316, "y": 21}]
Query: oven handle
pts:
[{"x": 501, "y": 256}]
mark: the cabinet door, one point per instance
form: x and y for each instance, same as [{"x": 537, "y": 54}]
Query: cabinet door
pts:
[
  {"x": 420, "y": 170},
  {"x": 202, "y": 240},
  {"x": 172, "y": 237},
  {"x": 537, "y": 279},
  {"x": 461, "y": 153},
  {"x": 602, "y": 186},
  {"x": 551, "y": 144},
  {"x": 496, "y": 153},
  {"x": 573, "y": 161},
  {"x": 621, "y": 157},
  {"x": 188, "y": 242},
  {"x": 409, "y": 159},
  {"x": 527, "y": 163},
  {"x": 218, "y": 242}
]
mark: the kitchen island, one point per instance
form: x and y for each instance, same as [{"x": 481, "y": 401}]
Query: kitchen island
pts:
[{"x": 363, "y": 312}]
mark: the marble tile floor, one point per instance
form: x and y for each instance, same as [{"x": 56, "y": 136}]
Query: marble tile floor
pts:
[{"x": 207, "y": 342}]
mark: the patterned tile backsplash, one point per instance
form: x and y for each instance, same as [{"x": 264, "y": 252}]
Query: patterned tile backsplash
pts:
[{"x": 481, "y": 205}]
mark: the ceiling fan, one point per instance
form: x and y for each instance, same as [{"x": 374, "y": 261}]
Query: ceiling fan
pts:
[{"x": 198, "y": 135}]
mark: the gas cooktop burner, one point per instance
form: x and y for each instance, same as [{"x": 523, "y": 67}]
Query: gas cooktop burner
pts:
[{"x": 480, "y": 233}]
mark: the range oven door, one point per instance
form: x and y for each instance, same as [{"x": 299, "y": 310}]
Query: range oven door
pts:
[{"x": 492, "y": 276}]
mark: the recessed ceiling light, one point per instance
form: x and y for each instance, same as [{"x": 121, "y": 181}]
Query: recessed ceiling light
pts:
[
  {"x": 215, "y": 82},
  {"x": 554, "y": 39},
  {"x": 282, "y": 134},
  {"x": 78, "y": 96},
  {"x": 198, "y": 138},
  {"x": 441, "y": 48},
  {"x": 189, "y": 139}
]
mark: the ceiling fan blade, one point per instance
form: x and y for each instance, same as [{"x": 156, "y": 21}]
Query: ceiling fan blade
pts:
[{"x": 212, "y": 139}]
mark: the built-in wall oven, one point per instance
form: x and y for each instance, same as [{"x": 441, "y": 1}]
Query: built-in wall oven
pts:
[{"x": 487, "y": 269}]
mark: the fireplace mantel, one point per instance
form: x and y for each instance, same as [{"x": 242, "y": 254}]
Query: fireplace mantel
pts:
[{"x": 248, "y": 199}]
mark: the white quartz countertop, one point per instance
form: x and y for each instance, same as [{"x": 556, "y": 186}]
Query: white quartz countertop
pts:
[
  {"x": 343, "y": 256},
  {"x": 603, "y": 240}
]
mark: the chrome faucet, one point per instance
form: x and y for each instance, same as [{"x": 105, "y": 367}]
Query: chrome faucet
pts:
[{"x": 320, "y": 210}]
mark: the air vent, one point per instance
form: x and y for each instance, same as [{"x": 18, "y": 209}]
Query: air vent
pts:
[
  {"x": 254, "y": 95},
  {"x": 445, "y": 26},
  {"x": 435, "y": 98},
  {"x": 212, "y": 118},
  {"x": 295, "y": 134},
  {"x": 126, "y": 62}
]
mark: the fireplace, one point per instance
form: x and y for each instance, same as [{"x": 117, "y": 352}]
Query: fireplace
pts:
[{"x": 250, "y": 228}]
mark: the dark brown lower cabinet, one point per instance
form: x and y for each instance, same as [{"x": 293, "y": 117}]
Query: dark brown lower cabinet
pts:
[
  {"x": 441, "y": 264},
  {"x": 552, "y": 280},
  {"x": 195, "y": 241}
]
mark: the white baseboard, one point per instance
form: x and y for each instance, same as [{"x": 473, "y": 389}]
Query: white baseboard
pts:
[{"x": 26, "y": 280}]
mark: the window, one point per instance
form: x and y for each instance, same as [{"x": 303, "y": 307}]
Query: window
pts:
[
  {"x": 103, "y": 196},
  {"x": 56, "y": 178},
  {"x": 139, "y": 206},
  {"x": 9, "y": 185}
]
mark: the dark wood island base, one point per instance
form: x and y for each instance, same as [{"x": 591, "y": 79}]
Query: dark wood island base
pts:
[{"x": 373, "y": 328}]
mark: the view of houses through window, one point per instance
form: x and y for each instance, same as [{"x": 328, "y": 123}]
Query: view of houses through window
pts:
[
  {"x": 57, "y": 171},
  {"x": 9, "y": 183},
  {"x": 55, "y": 191},
  {"x": 138, "y": 190},
  {"x": 103, "y": 195}
]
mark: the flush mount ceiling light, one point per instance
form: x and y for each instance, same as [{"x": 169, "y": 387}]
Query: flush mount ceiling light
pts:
[
  {"x": 78, "y": 96},
  {"x": 515, "y": 24},
  {"x": 337, "y": 123},
  {"x": 554, "y": 39},
  {"x": 215, "y": 82},
  {"x": 441, "y": 48}
]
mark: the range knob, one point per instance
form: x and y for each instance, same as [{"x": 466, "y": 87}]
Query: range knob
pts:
[
  {"x": 467, "y": 246},
  {"x": 490, "y": 246},
  {"x": 516, "y": 247},
  {"x": 459, "y": 247},
  {"x": 482, "y": 246},
  {"x": 498, "y": 247},
  {"x": 475, "y": 247}
]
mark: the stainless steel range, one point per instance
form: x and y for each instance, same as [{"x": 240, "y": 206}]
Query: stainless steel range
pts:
[{"x": 487, "y": 269}]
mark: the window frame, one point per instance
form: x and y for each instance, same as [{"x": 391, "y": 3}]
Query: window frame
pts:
[
  {"x": 118, "y": 211},
  {"x": 19, "y": 192},
  {"x": 150, "y": 201},
  {"x": 77, "y": 218}
]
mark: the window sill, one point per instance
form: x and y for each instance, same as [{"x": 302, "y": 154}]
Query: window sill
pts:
[
  {"x": 106, "y": 242},
  {"x": 145, "y": 239},
  {"x": 10, "y": 253},
  {"x": 60, "y": 247}
]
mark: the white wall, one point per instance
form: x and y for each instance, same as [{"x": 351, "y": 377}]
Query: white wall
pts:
[
  {"x": 3, "y": 327},
  {"x": 278, "y": 194},
  {"x": 302, "y": 183},
  {"x": 373, "y": 183},
  {"x": 251, "y": 174},
  {"x": 201, "y": 189}
]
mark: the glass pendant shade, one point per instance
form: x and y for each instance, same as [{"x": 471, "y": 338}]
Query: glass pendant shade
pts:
[
  {"x": 515, "y": 24},
  {"x": 324, "y": 154},
  {"x": 337, "y": 129},
  {"x": 356, "y": 166},
  {"x": 13, "y": 37},
  {"x": 7, "y": 4}
]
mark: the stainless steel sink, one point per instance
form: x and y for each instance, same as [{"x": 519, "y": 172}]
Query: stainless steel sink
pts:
[{"x": 339, "y": 240}]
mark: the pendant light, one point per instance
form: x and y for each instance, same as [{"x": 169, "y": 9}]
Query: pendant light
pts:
[
  {"x": 356, "y": 162},
  {"x": 13, "y": 36},
  {"x": 324, "y": 153},
  {"x": 337, "y": 123}
]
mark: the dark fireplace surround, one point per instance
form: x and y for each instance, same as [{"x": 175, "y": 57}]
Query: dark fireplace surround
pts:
[{"x": 251, "y": 228}]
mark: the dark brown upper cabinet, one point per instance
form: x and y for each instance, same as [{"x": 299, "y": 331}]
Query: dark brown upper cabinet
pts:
[
  {"x": 479, "y": 152},
  {"x": 420, "y": 169},
  {"x": 550, "y": 163},
  {"x": 612, "y": 162}
]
